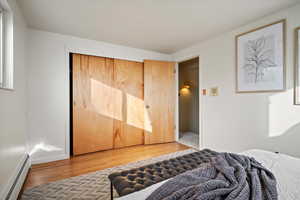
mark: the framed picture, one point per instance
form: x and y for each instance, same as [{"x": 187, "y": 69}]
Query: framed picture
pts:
[
  {"x": 260, "y": 59},
  {"x": 297, "y": 67}
]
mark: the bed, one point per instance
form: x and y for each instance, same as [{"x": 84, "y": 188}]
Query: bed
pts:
[{"x": 285, "y": 168}]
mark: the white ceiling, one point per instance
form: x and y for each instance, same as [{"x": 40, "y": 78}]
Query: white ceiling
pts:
[{"x": 160, "y": 25}]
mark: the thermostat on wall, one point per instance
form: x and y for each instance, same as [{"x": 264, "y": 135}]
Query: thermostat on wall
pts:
[{"x": 214, "y": 91}]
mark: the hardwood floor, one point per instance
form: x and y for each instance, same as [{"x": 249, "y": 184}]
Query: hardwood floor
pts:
[{"x": 53, "y": 171}]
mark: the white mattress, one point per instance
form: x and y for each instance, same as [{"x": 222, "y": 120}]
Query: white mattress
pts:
[{"x": 285, "y": 168}]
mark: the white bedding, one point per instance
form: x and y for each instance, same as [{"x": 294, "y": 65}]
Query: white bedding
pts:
[{"x": 285, "y": 168}]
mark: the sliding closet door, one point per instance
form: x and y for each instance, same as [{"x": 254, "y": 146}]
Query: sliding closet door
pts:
[
  {"x": 129, "y": 82},
  {"x": 94, "y": 100},
  {"x": 159, "y": 94}
]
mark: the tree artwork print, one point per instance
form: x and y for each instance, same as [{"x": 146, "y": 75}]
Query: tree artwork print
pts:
[{"x": 260, "y": 59}]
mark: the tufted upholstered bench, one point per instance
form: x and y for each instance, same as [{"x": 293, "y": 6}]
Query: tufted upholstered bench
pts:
[{"x": 129, "y": 181}]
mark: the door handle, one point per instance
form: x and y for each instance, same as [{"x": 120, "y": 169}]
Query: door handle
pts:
[{"x": 147, "y": 106}]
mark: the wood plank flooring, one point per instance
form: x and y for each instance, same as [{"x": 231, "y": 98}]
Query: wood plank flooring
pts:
[{"x": 53, "y": 171}]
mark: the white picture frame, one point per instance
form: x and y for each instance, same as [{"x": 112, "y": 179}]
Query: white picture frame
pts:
[{"x": 260, "y": 59}]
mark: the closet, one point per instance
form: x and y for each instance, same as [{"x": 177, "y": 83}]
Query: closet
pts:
[{"x": 118, "y": 103}]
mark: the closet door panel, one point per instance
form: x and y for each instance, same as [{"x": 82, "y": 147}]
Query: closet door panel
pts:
[
  {"x": 159, "y": 94},
  {"x": 129, "y": 81},
  {"x": 93, "y": 104}
]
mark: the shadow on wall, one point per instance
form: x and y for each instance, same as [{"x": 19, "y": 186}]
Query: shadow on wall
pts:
[
  {"x": 284, "y": 123},
  {"x": 288, "y": 142},
  {"x": 282, "y": 113}
]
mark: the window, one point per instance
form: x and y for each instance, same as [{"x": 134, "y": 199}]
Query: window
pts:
[
  {"x": 6, "y": 47},
  {"x": 1, "y": 50}
]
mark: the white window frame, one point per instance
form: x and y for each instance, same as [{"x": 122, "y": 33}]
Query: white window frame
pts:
[
  {"x": 6, "y": 46},
  {"x": 1, "y": 50}
]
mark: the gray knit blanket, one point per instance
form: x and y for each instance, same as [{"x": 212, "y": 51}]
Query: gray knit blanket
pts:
[{"x": 228, "y": 176}]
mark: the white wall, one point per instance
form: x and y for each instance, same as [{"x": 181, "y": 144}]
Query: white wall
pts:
[
  {"x": 230, "y": 122},
  {"x": 236, "y": 122},
  {"x": 13, "y": 117},
  {"x": 49, "y": 87}
]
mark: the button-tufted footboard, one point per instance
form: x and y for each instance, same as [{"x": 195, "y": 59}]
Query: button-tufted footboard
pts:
[{"x": 128, "y": 181}]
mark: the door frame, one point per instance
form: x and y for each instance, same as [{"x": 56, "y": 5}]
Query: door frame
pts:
[
  {"x": 68, "y": 49},
  {"x": 200, "y": 111}
]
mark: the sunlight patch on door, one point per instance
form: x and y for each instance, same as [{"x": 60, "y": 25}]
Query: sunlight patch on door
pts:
[
  {"x": 135, "y": 111},
  {"x": 109, "y": 102},
  {"x": 106, "y": 100}
]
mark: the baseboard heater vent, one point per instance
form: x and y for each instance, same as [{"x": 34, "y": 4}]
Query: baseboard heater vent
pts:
[{"x": 17, "y": 179}]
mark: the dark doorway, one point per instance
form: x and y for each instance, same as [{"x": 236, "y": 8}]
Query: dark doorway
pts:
[{"x": 189, "y": 102}]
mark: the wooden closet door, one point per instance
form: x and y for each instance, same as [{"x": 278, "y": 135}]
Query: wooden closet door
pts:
[
  {"x": 129, "y": 80},
  {"x": 94, "y": 100},
  {"x": 159, "y": 94}
]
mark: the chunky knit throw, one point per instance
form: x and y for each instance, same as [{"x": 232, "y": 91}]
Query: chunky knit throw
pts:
[{"x": 228, "y": 176}]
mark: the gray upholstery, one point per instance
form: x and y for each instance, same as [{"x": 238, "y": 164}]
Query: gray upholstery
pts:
[
  {"x": 228, "y": 176},
  {"x": 126, "y": 182}
]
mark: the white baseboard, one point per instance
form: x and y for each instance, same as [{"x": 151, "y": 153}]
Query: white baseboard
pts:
[
  {"x": 15, "y": 183},
  {"x": 49, "y": 159}
]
